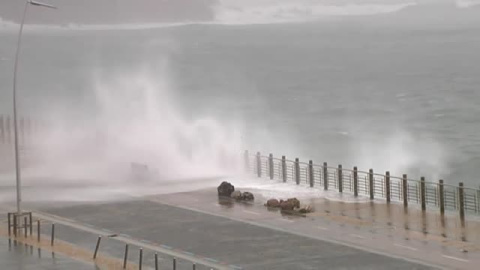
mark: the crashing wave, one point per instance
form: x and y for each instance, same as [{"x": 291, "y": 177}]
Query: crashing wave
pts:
[
  {"x": 467, "y": 3},
  {"x": 268, "y": 11}
]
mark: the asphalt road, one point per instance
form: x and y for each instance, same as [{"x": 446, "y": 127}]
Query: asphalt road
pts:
[{"x": 234, "y": 242}]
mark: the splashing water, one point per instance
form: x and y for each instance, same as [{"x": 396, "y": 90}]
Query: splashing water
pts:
[{"x": 133, "y": 125}]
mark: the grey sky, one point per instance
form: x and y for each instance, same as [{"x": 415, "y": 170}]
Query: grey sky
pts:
[
  {"x": 112, "y": 11},
  {"x": 432, "y": 12}
]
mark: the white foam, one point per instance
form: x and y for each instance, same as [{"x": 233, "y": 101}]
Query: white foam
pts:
[
  {"x": 245, "y": 12},
  {"x": 467, "y": 3},
  {"x": 267, "y": 11},
  {"x": 135, "y": 119}
]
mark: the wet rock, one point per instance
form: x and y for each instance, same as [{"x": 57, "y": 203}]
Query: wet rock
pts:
[
  {"x": 225, "y": 189},
  {"x": 295, "y": 202},
  {"x": 306, "y": 209},
  {"x": 247, "y": 196},
  {"x": 237, "y": 195},
  {"x": 287, "y": 205},
  {"x": 273, "y": 203}
]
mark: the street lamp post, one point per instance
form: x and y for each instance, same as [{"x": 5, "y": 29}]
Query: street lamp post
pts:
[{"x": 15, "y": 124}]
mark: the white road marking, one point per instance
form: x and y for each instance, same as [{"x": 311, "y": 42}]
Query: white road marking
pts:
[
  {"x": 407, "y": 247},
  {"x": 322, "y": 228},
  {"x": 286, "y": 220},
  {"x": 358, "y": 236},
  {"x": 251, "y": 212},
  {"x": 455, "y": 258}
]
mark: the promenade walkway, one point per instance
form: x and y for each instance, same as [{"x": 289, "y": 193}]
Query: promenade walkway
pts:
[{"x": 343, "y": 232}]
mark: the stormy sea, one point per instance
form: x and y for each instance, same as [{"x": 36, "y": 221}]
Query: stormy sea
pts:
[{"x": 385, "y": 86}]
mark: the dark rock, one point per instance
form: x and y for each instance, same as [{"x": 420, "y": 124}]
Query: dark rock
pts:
[
  {"x": 273, "y": 203},
  {"x": 295, "y": 202},
  {"x": 225, "y": 189},
  {"x": 247, "y": 196},
  {"x": 306, "y": 209},
  {"x": 287, "y": 205}
]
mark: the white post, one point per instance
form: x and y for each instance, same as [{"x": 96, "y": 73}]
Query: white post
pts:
[{"x": 15, "y": 124}]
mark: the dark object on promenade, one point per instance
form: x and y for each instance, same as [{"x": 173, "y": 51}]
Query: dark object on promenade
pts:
[
  {"x": 290, "y": 205},
  {"x": 225, "y": 189},
  {"x": 242, "y": 196},
  {"x": 247, "y": 196},
  {"x": 273, "y": 203}
]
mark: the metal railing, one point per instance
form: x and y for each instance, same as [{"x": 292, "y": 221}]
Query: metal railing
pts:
[
  {"x": 47, "y": 233},
  {"x": 27, "y": 128},
  {"x": 362, "y": 183}
]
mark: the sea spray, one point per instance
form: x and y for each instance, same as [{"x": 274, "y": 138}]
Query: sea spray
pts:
[{"x": 136, "y": 121}]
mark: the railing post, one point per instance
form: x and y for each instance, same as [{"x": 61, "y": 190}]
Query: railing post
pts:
[
  {"x": 478, "y": 200},
  {"x": 270, "y": 165},
  {"x": 355, "y": 181},
  {"x": 259, "y": 165},
  {"x": 38, "y": 230},
  {"x": 387, "y": 186},
  {"x": 96, "y": 247},
  {"x": 311, "y": 173},
  {"x": 371, "y": 184},
  {"x": 125, "y": 257},
  {"x": 52, "y": 240},
  {"x": 15, "y": 225},
  {"x": 25, "y": 227},
  {"x": 325, "y": 176},
  {"x": 2, "y": 130},
  {"x": 9, "y": 223},
  {"x": 30, "y": 223},
  {"x": 297, "y": 171},
  {"x": 140, "y": 259},
  {"x": 284, "y": 169},
  {"x": 246, "y": 160},
  {"x": 405, "y": 190},
  {"x": 422, "y": 193},
  {"x": 461, "y": 200},
  {"x": 441, "y": 197},
  {"x": 156, "y": 261},
  {"x": 340, "y": 179}
]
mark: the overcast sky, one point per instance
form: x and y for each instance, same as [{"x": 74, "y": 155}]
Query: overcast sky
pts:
[
  {"x": 237, "y": 11},
  {"x": 111, "y": 11}
]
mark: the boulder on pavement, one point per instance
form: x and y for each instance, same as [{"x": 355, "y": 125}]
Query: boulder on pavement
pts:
[
  {"x": 273, "y": 203},
  {"x": 306, "y": 209},
  {"x": 247, "y": 196},
  {"x": 295, "y": 202},
  {"x": 225, "y": 189},
  {"x": 287, "y": 205},
  {"x": 237, "y": 195}
]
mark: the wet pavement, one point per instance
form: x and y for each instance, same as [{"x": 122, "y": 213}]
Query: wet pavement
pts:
[
  {"x": 14, "y": 255},
  {"x": 245, "y": 245},
  {"x": 377, "y": 227},
  {"x": 343, "y": 232}
]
